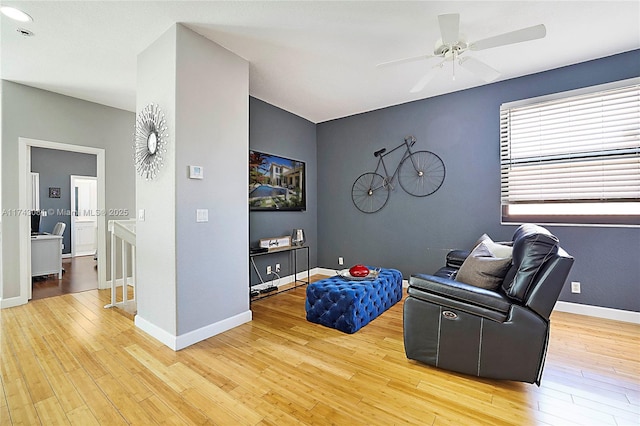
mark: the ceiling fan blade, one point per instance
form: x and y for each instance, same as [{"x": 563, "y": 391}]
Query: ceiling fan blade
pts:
[
  {"x": 518, "y": 36},
  {"x": 480, "y": 69},
  {"x": 422, "y": 83},
  {"x": 404, "y": 60},
  {"x": 449, "y": 28}
]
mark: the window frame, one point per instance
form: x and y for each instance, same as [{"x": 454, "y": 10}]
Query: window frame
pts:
[{"x": 506, "y": 160}]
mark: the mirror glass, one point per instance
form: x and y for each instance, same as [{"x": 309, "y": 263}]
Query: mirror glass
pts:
[{"x": 152, "y": 142}]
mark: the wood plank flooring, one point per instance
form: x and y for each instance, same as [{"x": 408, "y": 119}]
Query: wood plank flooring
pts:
[
  {"x": 80, "y": 274},
  {"x": 66, "y": 360}
]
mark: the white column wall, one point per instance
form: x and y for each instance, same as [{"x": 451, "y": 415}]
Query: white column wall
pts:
[
  {"x": 156, "y": 236},
  {"x": 193, "y": 277},
  {"x": 212, "y": 112}
]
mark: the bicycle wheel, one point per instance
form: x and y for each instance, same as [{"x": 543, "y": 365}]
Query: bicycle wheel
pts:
[
  {"x": 421, "y": 173},
  {"x": 369, "y": 192}
]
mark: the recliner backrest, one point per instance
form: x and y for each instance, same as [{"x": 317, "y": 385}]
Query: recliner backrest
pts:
[
  {"x": 533, "y": 245},
  {"x": 544, "y": 291},
  {"x": 540, "y": 268}
]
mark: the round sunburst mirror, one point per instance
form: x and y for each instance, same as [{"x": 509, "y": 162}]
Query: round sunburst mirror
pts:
[{"x": 150, "y": 141}]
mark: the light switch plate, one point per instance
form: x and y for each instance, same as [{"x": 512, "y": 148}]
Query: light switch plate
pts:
[
  {"x": 141, "y": 215},
  {"x": 202, "y": 215}
]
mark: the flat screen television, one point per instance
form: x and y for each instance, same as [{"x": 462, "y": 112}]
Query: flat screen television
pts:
[
  {"x": 35, "y": 221},
  {"x": 276, "y": 183}
]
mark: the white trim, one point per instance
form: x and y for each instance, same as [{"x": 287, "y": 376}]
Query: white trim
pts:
[
  {"x": 180, "y": 342},
  {"x": 11, "y": 302},
  {"x": 324, "y": 271},
  {"x": 156, "y": 332},
  {"x": 24, "y": 192},
  {"x": 575, "y": 92},
  {"x": 211, "y": 330},
  {"x": 598, "y": 312},
  {"x": 67, "y": 256}
]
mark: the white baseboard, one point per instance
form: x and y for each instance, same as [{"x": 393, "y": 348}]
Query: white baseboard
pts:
[
  {"x": 324, "y": 271},
  {"x": 12, "y": 302},
  {"x": 66, "y": 255},
  {"x": 180, "y": 342},
  {"x": 156, "y": 332},
  {"x": 211, "y": 330},
  {"x": 287, "y": 279},
  {"x": 598, "y": 312}
]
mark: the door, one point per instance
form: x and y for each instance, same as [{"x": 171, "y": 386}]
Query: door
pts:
[{"x": 84, "y": 218}]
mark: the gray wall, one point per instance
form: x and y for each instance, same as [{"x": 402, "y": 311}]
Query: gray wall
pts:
[
  {"x": 55, "y": 169},
  {"x": 39, "y": 114},
  {"x": 413, "y": 234},
  {"x": 275, "y": 131}
]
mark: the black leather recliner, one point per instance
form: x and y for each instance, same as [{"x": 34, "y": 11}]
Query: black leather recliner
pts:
[{"x": 498, "y": 334}]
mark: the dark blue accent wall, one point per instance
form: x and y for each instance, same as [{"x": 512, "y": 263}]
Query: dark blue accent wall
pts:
[
  {"x": 55, "y": 168},
  {"x": 414, "y": 234},
  {"x": 275, "y": 131}
]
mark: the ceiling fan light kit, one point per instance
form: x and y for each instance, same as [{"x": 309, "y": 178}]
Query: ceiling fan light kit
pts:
[{"x": 452, "y": 46}]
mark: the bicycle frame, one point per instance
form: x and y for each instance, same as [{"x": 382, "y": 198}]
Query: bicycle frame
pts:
[{"x": 382, "y": 153}]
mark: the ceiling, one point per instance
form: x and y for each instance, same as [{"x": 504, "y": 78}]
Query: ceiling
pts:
[{"x": 314, "y": 59}]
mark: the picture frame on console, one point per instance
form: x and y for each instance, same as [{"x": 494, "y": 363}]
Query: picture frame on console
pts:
[{"x": 276, "y": 183}]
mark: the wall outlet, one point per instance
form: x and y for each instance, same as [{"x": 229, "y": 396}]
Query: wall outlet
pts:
[
  {"x": 268, "y": 269},
  {"x": 575, "y": 286},
  {"x": 277, "y": 267},
  {"x": 340, "y": 261}
]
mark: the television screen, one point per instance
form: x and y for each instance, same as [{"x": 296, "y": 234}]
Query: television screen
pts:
[{"x": 276, "y": 183}]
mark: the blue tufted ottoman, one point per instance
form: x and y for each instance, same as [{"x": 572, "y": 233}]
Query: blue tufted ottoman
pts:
[{"x": 350, "y": 305}]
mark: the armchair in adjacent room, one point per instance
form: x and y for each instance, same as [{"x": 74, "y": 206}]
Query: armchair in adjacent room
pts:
[{"x": 487, "y": 312}]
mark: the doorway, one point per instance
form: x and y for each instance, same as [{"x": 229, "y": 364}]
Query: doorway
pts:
[
  {"x": 84, "y": 223},
  {"x": 24, "y": 191}
]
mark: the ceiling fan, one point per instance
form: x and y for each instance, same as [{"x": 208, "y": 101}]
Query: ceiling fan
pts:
[{"x": 452, "y": 46}]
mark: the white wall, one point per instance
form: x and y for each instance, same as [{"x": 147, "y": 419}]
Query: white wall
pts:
[
  {"x": 193, "y": 277},
  {"x": 212, "y": 113},
  {"x": 156, "y": 237}
]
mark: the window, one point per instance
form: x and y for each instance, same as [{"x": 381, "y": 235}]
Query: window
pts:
[{"x": 573, "y": 157}]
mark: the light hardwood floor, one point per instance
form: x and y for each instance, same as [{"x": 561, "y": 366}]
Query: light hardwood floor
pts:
[{"x": 67, "y": 360}]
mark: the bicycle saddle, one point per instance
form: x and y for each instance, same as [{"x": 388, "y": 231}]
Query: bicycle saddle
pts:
[{"x": 379, "y": 152}]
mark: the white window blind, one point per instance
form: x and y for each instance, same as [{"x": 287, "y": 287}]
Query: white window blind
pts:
[{"x": 576, "y": 148}]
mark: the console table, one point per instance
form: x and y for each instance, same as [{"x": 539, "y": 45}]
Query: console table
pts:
[{"x": 260, "y": 287}]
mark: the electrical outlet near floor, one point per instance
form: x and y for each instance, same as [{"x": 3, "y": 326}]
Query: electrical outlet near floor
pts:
[
  {"x": 575, "y": 286},
  {"x": 277, "y": 267},
  {"x": 268, "y": 269},
  {"x": 340, "y": 261}
]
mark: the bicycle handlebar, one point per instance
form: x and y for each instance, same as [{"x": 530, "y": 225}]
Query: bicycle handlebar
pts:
[{"x": 411, "y": 138}]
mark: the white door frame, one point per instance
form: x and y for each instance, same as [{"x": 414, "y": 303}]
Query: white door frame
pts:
[
  {"x": 72, "y": 209},
  {"x": 24, "y": 200}
]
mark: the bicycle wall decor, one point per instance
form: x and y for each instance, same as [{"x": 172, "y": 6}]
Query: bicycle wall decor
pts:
[{"x": 419, "y": 173}]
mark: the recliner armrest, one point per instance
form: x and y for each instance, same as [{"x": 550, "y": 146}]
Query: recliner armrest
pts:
[
  {"x": 462, "y": 292},
  {"x": 455, "y": 258}
]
